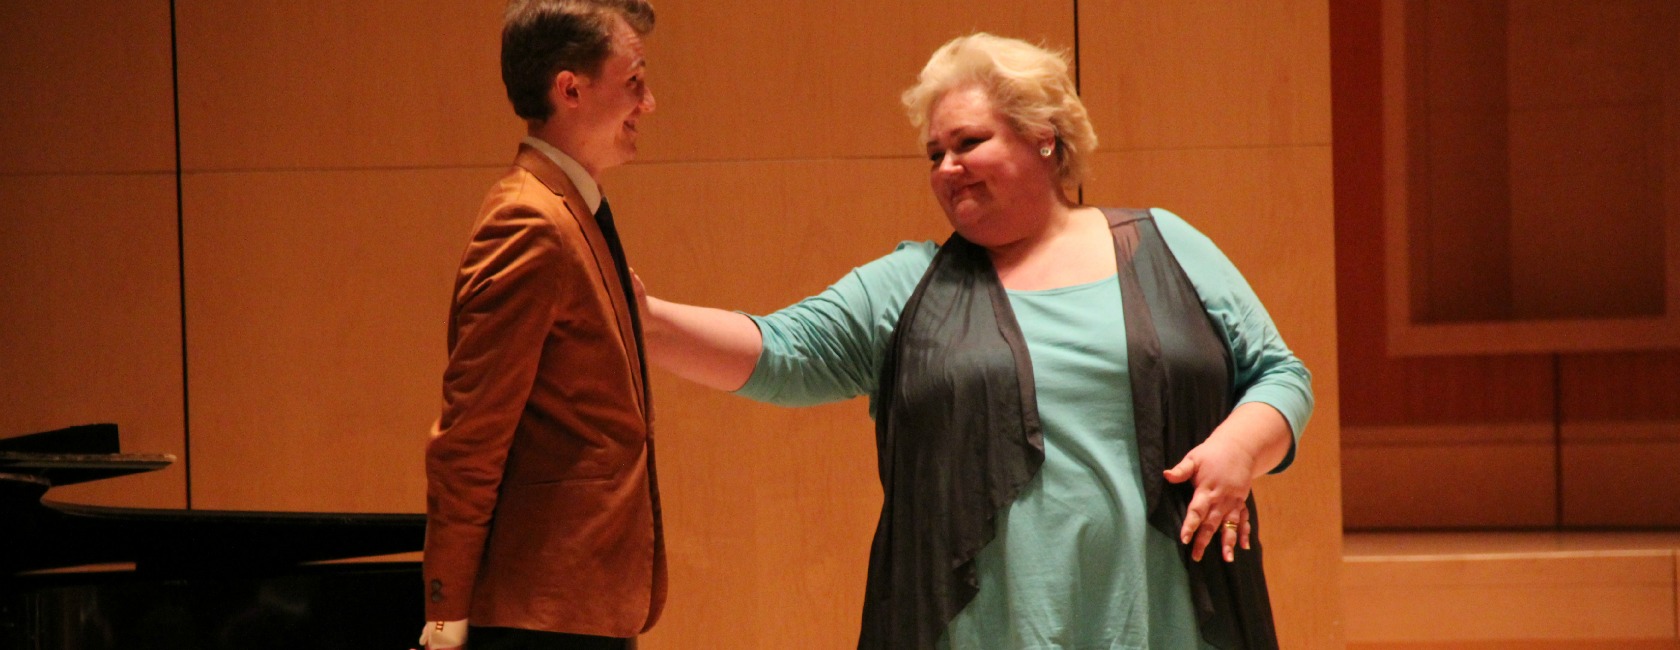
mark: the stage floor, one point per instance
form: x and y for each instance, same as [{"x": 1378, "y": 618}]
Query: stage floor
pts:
[{"x": 1507, "y": 590}]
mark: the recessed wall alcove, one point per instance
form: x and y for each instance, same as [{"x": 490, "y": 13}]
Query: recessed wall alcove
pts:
[{"x": 1532, "y": 172}]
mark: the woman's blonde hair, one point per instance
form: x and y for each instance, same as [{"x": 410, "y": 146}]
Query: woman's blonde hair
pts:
[{"x": 1027, "y": 84}]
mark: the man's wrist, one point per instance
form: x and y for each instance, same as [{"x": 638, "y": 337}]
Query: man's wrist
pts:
[{"x": 444, "y": 634}]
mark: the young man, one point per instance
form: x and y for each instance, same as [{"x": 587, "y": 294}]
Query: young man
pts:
[{"x": 543, "y": 526}]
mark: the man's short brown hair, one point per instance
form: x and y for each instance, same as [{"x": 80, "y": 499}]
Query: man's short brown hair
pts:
[{"x": 540, "y": 38}]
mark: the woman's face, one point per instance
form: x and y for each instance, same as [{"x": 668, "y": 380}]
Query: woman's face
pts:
[{"x": 990, "y": 180}]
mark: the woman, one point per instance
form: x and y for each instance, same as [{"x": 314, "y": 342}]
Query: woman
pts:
[{"x": 1071, "y": 402}]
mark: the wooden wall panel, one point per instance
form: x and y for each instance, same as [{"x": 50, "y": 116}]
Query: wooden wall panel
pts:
[
  {"x": 1366, "y": 374},
  {"x": 310, "y": 85},
  {"x": 1465, "y": 476},
  {"x": 1264, "y": 201},
  {"x": 1590, "y": 100},
  {"x": 92, "y": 331},
  {"x": 1390, "y": 484},
  {"x": 316, "y": 311},
  {"x": 1636, "y": 386},
  {"x": 769, "y": 79},
  {"x": 1379, "y": 388},
  {"x": 707, "y": 232},
  {"x": 769, "y": 511},
  {"x": 1586, "y": 125},
  {"x": 1607, "y": 53},
  {"x": 1206, "y": 74},
  {"x": 87, "y": 137},
  {"x": 1462, "y": 249},
  {"x": 1621, "y": 484},
  {"x": 1570, "y": 161},
  {"x": 88, "y": 87},
  {"x": 1610, "y": 471},
  {"x": 1585, "y": 108},
  {"x": 1254, "y": 203},
  {"x": 1462, "y": 46}
]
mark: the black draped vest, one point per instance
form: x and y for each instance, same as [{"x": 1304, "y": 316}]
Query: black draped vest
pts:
[{"x": 958, "y": 436}]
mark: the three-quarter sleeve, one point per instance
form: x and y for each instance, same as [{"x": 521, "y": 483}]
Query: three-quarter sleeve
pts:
[
  {"x": 829, "y": 347},
  {"x": 1264, "y": 368}
]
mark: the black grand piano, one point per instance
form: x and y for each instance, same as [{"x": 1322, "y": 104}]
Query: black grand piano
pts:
[{"x": 77, "y": 577}]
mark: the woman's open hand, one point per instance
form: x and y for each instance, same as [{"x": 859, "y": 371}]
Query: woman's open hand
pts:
[
  {"x": 641, "y": 292},
  {"x": 1251, "y": 441},
  {"x": 1223, "y": 474}
]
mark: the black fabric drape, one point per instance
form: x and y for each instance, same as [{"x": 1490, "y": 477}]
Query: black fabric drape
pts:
[
  {"x": 958, "y": 435},
  {"x": 1182, "y": 389}
]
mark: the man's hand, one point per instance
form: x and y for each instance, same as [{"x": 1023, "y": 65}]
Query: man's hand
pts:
[{"x": 443, "y": 635}]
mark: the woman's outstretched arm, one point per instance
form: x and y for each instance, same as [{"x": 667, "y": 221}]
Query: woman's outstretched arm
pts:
[{"x": 711, "y": 347}]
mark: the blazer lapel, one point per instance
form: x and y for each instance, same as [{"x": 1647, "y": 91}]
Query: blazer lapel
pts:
[{"x": 550, "y": 174}]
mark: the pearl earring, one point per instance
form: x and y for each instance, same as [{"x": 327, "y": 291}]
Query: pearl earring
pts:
[{"x": 1044, "y": 151}]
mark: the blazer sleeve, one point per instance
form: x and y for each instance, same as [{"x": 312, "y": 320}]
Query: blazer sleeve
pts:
[{"x": 505, "y": 306}]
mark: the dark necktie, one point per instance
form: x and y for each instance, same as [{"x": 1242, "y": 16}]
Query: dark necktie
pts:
[{"x": 603, "y": 217}]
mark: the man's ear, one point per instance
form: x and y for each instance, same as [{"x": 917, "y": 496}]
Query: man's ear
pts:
[{"x": 565, "y": 91}]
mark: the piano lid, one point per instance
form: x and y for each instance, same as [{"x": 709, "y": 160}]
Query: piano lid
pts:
[
  {"x": 55, "y": 535},
  {"x": 74, "y": 455}
]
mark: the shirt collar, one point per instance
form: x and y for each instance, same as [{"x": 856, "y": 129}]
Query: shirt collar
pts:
[{"x": 586, "y": 184}]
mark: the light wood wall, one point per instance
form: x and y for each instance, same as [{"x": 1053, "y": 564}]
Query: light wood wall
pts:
[
  {"x": 91, "y": 282},
  {"x": 332, "y": 156}
]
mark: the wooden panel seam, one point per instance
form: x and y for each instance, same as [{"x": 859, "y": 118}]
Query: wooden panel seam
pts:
[
  {"x": 1447, "y": 435},
  {"x": 1663, "y": 431}
]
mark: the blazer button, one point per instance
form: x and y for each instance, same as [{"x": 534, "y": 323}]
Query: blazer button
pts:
[{"x": 437, "y": 597}]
